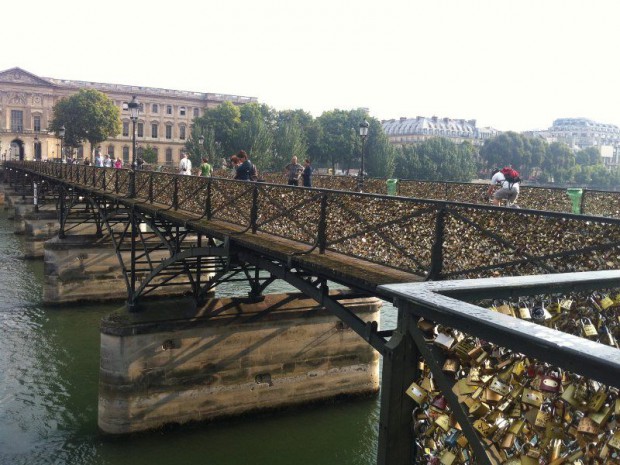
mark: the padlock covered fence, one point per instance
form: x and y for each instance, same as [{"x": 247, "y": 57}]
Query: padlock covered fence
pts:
[
  {"x": 433, "y": 239},
  {"x": 501, "y": 384}
]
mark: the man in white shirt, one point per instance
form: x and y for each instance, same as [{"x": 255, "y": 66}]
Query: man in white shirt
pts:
[
  {"x": 507, "y": 191},
  {"x": 185, "y": 165}
]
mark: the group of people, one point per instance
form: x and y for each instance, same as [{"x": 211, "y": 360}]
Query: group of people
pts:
[
  {"x": 243, "y": 169},
  {"x": 295, "y": 171},
  {"x": 108, "y": 161}
]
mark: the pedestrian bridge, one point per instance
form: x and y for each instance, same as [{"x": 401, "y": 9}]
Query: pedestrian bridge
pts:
[{"x": 213, "y": 230}]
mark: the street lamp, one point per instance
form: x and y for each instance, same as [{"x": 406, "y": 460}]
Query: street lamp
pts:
[
  {"x": 61, "y": 135},
  {"x": 133, "y": 107},
  {"x": 363, "y": 134},
  {"x": 201, "y": 141}
]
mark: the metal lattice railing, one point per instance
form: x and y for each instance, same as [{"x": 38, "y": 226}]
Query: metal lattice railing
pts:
[{"x": 430, "y": 238}]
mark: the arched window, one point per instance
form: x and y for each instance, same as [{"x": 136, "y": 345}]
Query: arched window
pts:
[
  {"x": 125, "y": 154},
  {"x": 169, "y": 155},
  {"x": 111, "y": 150}
]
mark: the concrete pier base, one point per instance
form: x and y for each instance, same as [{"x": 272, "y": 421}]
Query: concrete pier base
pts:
[
  {"x": 39, "y": 227},
  {"x": 82, "y": 268},
  {"x": 85, "y": 268},
  {"x": 167, "y": 365}
]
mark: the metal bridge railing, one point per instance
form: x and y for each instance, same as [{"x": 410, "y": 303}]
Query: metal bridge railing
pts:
[
  {"x": 432, "y": 239},
  {"x": 497, "y": 388}
]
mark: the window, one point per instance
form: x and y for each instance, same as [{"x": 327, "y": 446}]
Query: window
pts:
[
  {"x": 140, "y": 152},
  {"x": 168, "y": 109},
  {"x": 36, "y": 124},
  {"x": 168, "y": 155},
  {"x": 156, "y": 153},
  {"x": 125, "y": 154},
  {"x": 154, "y": 131},
  {"x": 111, "y": 150},
  {"x": 168, "y": 131},
  {"x": 155, "y": 108},
  {"x": 196, "y": 112},
  {"x": 181, "y": 132},
  {"x": 17, "y": 121},
  {"x": 141, "y": 108},
  {"x": 125, "y": 128},
  {"x": 182, "y": 111},
  {"x": 140, "y": 129}
]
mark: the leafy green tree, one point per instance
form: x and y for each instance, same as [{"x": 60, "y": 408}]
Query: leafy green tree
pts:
[
  {"x": 380, "y": 157},
  {"x": 255, "y": 134},
  {"x": 588, "y": 156},
  {"x": 508, "y": 148},
  {"x": 222, "y": 122},
  {"x": 149, "y": 154},
  {"x": 88, "y": 115},
  {"x": 339, "y": 141},
  {"x": 290, "y": 139},
  {"x": 437, "y": 159}
]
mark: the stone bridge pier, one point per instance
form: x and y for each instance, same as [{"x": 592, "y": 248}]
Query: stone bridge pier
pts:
[{"x": 176, "y": 363}]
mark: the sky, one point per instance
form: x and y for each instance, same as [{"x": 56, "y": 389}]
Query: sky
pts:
[{"x": 511, "y": 65}]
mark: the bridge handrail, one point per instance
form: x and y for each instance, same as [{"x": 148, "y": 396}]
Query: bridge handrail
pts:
[
  {"x": 431, "y": 238},
  {"x": 448, "y": 303}
]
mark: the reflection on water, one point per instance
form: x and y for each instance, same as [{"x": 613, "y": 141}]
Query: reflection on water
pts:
[{"x": 49, "y": 361}]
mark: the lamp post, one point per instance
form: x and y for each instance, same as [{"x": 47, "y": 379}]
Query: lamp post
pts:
[
  {"x": 133, "y": 107},
  {"x": 201, "y": 141},
  {"x": 61, "y": 135},
  {"x": 363, "y": 134}
]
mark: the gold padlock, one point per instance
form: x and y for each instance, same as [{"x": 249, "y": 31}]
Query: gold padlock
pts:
[
  {"x": 447, "y": 458},
  {"x": 499, "y": 387},
  {"x": 443, "y": 421},
  {"x": 597, "y": 401},
  {"x": 587, "y": 426},
  {"x": 417, "y": 393},
  {"x": 589, "y": 330},
  {"x": 524, "y": 311},
  {"x": 451, "y": 365},
  {"x": 532, "y": 397},
  {"x": 483, "y": 427},
  {"x": 601, "y": 417},
  {"x": 614, "y": 441}
]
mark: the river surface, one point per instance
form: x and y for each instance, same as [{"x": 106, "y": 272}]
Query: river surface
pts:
[{"x": 49, "y": 365}]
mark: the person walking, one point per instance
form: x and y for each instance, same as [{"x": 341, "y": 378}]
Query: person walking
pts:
[
  {"x": 185, "y": 165},
  {"x": 293, "y": 171},
  {"x": 306, "y": 175},
  {"x": 205, "y": 168}
]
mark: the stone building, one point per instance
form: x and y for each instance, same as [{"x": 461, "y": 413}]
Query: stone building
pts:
[
  {"x": 412, "y": 130},
  {"x": 164, "y": 122},
  {"x": 581, "y": 133}
]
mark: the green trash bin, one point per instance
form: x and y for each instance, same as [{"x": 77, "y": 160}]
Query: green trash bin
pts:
[
  {"x": 392, "y": 186},
  {"x": 575, "y": 196}
]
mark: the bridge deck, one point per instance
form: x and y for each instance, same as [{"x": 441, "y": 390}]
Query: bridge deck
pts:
[{"x": 351, "y": 271}]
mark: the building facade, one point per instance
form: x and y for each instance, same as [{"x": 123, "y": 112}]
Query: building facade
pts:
[
  {"x": 164, "y": 122},
  {"x": 582, "y": 133},
  {"x": 412, "y": 130}
]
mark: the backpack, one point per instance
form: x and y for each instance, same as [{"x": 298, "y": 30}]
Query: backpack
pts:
[{"x": 511, "y": 175}]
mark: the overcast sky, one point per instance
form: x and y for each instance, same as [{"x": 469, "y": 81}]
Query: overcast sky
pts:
[{"x": 512, "y": 65}]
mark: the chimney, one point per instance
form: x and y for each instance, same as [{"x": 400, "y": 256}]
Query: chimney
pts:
[{"x": 403, "y": 118}]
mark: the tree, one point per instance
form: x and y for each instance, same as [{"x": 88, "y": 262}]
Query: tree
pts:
[
  {"x": 508, "y": 148},
  {"x": 380, "y": 153},
  {"x": 149, "y": 154},
  {"x": 339, "y": 141},
  {"x": 588, "y": 156},
  {"x": 222, "y": 122},
  {"x": 88, "y": 115},
  {"x": 255, "y": 134},
  {"x": 290, "y": 140},
  {"x": 437, "y": 159}
]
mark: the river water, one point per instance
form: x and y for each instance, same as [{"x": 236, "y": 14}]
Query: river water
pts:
[{"x": 49, "y": 362}]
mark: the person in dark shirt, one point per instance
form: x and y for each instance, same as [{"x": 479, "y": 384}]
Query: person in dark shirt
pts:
[
  {"x": 244, "y": 170},
  {"x": 307, "y": 174}
]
